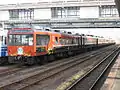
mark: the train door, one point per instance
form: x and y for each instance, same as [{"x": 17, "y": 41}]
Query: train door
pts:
[
  {"x": 80, "y": 41},
  {"x": 83, "y": 41}
]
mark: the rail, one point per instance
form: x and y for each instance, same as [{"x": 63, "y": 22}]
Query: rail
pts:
[{"x": 83, "y": 84}]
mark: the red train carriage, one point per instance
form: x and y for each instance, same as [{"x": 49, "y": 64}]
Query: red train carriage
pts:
[{"x": 31, "y": 45}]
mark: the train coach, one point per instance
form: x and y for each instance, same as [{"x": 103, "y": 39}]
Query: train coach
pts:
[
  {"x": 3, "y": 47},
  {"x": 31, "y": 45}
]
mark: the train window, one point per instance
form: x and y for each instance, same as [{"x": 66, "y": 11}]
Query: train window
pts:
[
  {"x": 56, "y": 40},
  {"x": 60, "y": 39},
  {"x": 63, "y": 41},
  {"x": 75, "y": 41},
  {"x": 69, "y": 41},
  {"x": 20, "y": 39},
  {"x": 42, "y": 39}
]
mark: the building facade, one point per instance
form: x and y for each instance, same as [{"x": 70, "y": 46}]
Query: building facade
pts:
[
  {"x": 97, "y": 17},
  {"x": 59, "y": 9}
]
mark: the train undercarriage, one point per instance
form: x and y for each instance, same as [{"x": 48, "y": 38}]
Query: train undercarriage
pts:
[{"x": 58, "y": 54}]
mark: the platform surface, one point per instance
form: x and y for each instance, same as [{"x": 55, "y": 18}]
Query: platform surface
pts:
[{"x": 113, "y": 79}]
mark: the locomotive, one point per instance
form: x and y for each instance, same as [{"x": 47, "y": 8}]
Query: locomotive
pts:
[
  {"x": 32, "y": 44},
  {"x": 3, "y": 47}
]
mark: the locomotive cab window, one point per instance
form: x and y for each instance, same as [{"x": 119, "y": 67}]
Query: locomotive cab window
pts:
[
  {"x": 42, "y": 39},
  {"x": 20, "y": 40}
]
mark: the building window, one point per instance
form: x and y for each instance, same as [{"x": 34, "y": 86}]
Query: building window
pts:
[
  {"x": 21, "y": 14},
  {"x": 73, "y": 11},
  {"x": 61, "y": 12},
  {"x": 108, "y": 11}
]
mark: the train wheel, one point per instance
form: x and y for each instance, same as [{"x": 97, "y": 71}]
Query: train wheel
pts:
[
  {"x": 3, "y": 61},
  {"x": 11, "y": 60},
  {"x": 66, "y": 55},
  {"x": 31, "y": 61},
  {"x": 44, "y": 60},
  {"x": 51, "y": 57}
]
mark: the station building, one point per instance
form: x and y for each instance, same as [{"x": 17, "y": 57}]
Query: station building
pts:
[
  {"x": 62, "y": 14},
  {"x": 59, "y": 9}
]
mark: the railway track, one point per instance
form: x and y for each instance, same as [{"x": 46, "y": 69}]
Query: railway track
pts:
[
  {"x": 16, "y": 68},
  {"x": 21, "y": 80},
  {"x": 53, "y": 81},
  {"x": 22, "y": 69},
  {"x": 89, "y": 80}
]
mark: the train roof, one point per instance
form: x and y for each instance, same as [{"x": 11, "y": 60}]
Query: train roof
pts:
[
  {"x": 31, "y": 29},
  {"x": 38, "y": 28}
]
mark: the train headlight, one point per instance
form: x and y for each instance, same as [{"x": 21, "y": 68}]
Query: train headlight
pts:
[{"x": 50, "y": 50}]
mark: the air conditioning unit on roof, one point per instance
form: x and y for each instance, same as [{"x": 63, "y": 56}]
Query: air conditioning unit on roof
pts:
[{"x": 56, "y": 30}]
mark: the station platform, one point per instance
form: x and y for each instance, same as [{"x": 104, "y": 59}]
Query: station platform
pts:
[{"x": 113, "y": 79}]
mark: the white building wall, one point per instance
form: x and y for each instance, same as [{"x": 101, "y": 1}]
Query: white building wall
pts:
[
  {"x": 4, "y": 15},
  {"x": 42, "y": 13},
  {"x": 89, "y": 12}
]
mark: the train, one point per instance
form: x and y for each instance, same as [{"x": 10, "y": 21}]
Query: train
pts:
[
  {"x": 36, "y": 44},
  {"x": 3, "y": 47}
]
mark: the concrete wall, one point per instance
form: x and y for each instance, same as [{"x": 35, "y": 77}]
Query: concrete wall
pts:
[
  {"x": 4, "y": 15},
  {"x": 42, "y": 13},
  {"x": 89, "y": 12}
]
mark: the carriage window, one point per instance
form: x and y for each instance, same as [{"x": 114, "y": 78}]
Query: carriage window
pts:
[
  {"x": 62, "y": 41},
  {"x": 42, "y": 39},
  {"x": 75, "y": 41},
  {"x": 20, "y": 39},
  {"x": 65, "y": 41},
  {"x": 56, "y": 40}
]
